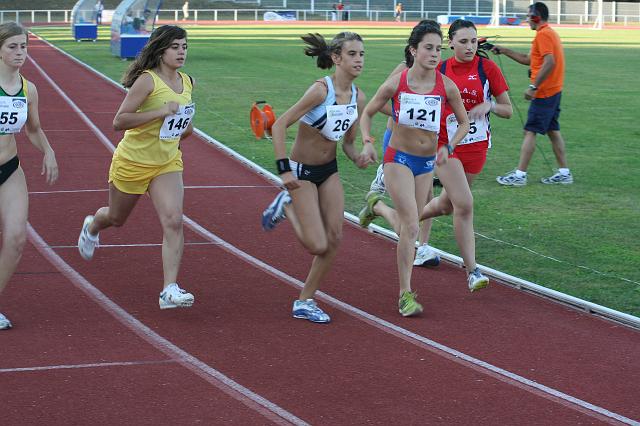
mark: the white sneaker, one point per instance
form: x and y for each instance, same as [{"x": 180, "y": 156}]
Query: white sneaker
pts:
[
  {"x": 558, "y": 178},
  {"x": 274, "y": 213},
  {"x": 425, "y": 256},
  {"x": 5, "y": 324},
  {"x": 377, "y": 184},
  {"x": 175, "y": 297},
  {"x": 87, "y": 243},
  {"x": 309, "y": 310},
  {"x": 512, "y": 179},
  {"x": 476, "y": 280}
]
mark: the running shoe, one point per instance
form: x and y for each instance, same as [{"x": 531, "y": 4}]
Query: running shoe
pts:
[
  {"x": 367, "y": 215},
  {"x": 87, "y": 243},
  {"x": 425, "y": 256},
  {"x": 377, "y": 184},
  {"x": 408, "y": 306},
  {"x": 512, "y": 179},
  {"x": 5, "y": 324},
  {"x": 309, "y": 310},
  {"x": 274, "y": 214},
  {"x": 477, "y": 280},
  {"x": 175, "y": 297},
  {"x": 558, "y": 178}
]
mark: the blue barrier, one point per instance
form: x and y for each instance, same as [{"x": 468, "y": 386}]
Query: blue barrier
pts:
[{"x": 479, "y": 20}]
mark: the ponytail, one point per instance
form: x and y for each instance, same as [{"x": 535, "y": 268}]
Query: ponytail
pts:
[{"x": 317, "y": 46}]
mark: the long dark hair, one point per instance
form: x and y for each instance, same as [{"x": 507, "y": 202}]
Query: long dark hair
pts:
[
  {"x": 149, "y": 57},
  {"x": 463, "y": 23},
  {"x": 316, "y": 45}
]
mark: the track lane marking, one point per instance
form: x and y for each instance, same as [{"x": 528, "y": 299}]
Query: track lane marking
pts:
[
  {"x": 91, "y": 365},
  {"x": 227, "y": 385},
  {"x": 515, "y": 379},
  {"x": 80, "y": 191}
]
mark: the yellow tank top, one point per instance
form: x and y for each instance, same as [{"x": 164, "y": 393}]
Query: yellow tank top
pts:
[{"x": 143, "y": 144}]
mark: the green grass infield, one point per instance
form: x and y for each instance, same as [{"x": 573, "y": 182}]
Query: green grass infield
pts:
[{"x": 581, "y": 239}]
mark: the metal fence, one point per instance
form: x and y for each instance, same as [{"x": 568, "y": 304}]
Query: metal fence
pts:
[{"x": 561, "y": 12}]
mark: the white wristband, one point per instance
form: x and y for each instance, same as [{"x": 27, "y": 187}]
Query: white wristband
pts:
[{"x": 493, "y": 106}]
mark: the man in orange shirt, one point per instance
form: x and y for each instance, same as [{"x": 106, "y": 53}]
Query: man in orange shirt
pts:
[{"x": 546, "y": 61}]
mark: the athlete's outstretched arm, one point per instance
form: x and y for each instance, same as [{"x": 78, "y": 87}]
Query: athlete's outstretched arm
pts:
[
  {"x": 379, "y": 100},
  {"x": 455, "y": 102},
  {"x": 36, "y": 135},
  {"x": 368, "y": 154}
]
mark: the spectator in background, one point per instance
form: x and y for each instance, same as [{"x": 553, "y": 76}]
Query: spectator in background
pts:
[
  {"x": 345, "y": 14},
  {"x": 99, "y": 9},
  {"x": 127, "y": 23},
  {"x": 340, "y": 8},
  {"x": 546, "y": 62},
  {"x": 185, "y": 11},
  {"x": 398, "y": 12},
  {"x": 334, "y": 12}
]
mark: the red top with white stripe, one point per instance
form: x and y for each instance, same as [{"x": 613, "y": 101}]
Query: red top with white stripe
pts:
[
  {"x": 403, "y": 87},
  {"x": 477, "y": 84}
]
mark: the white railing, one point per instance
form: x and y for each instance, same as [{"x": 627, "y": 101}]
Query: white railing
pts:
[{"x": 200, "y": 15}]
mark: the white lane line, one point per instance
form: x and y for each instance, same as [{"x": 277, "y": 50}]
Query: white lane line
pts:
[
  {"x": 530, "y": 385},
  {"x": 79, "y": 191},
  {"x": 75, "y": 366},
  {"x": 438, "y": 348},
  {"x": 515, "y": 282},
  {"x": 205, "y": 243},
  {"x": 232, "y": 388}
]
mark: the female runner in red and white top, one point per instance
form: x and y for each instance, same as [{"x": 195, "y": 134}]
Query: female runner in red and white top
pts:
[
  {"x": 484, "y": 90},
  {"x": 419, "y": 97}
]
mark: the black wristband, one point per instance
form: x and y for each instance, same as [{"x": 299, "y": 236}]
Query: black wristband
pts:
[{"x": 283, "y": 165}]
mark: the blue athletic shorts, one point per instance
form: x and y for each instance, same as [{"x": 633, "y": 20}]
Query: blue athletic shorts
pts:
[
  {"x": 543, "y": 114},
  {"x": 385, "y": 140},
  {"x": 418, "y": 165}
]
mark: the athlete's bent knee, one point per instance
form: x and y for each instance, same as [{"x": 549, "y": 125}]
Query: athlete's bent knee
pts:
[
  {"x": 14, "y": 243},
  {"x": 317, "y": 248},
  {"x": 172, "y": 222},
  {"x": 335, "y": 238}
]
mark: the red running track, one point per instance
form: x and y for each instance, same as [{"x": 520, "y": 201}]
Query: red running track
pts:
[{"x": 91, "y": 346}]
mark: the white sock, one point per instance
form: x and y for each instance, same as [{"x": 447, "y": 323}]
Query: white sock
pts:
[
  {"x": 520, "y": 173},
  {"x": 563, "y": 171}
]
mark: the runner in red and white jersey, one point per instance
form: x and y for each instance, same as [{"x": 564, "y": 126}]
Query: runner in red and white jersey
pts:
[
  {"x": 483, "y": 90},
  {"x": 481, "y": 85}
]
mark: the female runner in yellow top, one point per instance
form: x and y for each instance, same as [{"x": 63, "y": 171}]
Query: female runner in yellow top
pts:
[
  {"x": 18, "y": 108},
  {"x": 156, "y": 114}
]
